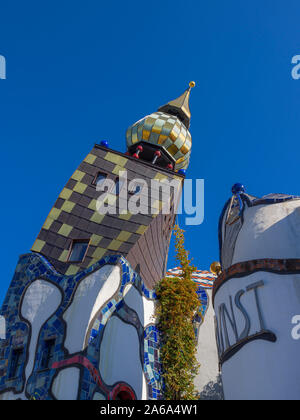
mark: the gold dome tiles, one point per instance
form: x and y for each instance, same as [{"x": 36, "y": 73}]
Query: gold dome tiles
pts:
[
  {"x": 180, "y": 159},
  {"x": 146, "y": 135},
  {"x": 162, "y": 138},
  {"x": 154, "y": 138},
  {"x": 164, "y": 130},
  {"x": 172, "y": 149},
  {"x": 140, "y": 131},
  {"x": 184, "y": 149},
  {"x": 167, "y": 143},
  {"x": 173, "y": 135},
  {"x": 178, "y": 143},
  {"x": 157, "y": 126}
]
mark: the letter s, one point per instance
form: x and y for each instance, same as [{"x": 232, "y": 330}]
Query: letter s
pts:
[
  {"x": 296, "y": 329},
  {"x": 295, "y": 74}
]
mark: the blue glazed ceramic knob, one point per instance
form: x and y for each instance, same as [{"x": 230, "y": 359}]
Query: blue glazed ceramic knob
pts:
[
  {"x": 238, "y": 188},
  {"x": 104, "y": 143},
  {"x": 182, "y": 171}
]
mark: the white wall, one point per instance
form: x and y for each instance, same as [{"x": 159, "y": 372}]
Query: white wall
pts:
[
  {"x": 120, "y": 350},
  {"x": 120, "y": 356},
  {"x": 145, "y": 308},
  {"x": 65, "y": 385},
  {"x": 269, "y": 231},
  {"x": 207, "y": 354},
  {"x": 92, "y": 293},
  {"x": 41, "y": 300},
  {"x": 264, "y": 370}
]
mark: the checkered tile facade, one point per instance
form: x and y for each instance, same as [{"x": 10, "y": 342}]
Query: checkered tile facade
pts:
[
  {"x": 166, "y": 131},
  {"x": 75, "y": 217}
]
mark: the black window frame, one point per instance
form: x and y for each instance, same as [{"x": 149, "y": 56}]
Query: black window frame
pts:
[
  {"x": 47, "y": 353},
  {"x": 75, "y": 242},
  {"x": 15, "y": 362},
  {"x": 105, "y": 174}
]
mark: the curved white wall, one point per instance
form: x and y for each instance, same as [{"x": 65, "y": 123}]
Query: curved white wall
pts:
[
  {"x": 143, "y": 307},
  {"x": 269, "y": 231},
  {"x": 120, "y": 349},
  {"x": 10, "y": 396},
  {"x": 207, "y": 353},
  {"x": 90, "y": 296},
  {"x": 65, "y": 385},
  {"x": 120, "y": 356},
  {"x": 98, "y": 397},
  {"x": 261, "y": 369},
  {"x": 41, "y": 300}
]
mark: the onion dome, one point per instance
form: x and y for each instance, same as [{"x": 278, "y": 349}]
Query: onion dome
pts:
[{"x": 166, "y": 130}]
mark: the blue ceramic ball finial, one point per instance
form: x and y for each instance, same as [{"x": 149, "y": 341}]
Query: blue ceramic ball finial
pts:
[
  {"x": 238, "y": 188},
  {"x": 182, "y": 171},
  {"x": 104, "y": 143}
]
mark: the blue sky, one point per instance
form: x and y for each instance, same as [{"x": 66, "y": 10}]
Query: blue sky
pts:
[{"x": 82, "y": 72}]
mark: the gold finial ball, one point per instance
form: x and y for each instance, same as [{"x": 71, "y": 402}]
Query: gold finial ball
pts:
[
  {"x": 216, "y": 268},
  {"x": 192, "y": 84}
]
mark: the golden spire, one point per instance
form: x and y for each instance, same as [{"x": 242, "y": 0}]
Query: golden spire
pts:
[{"x": 180, "y": 106}]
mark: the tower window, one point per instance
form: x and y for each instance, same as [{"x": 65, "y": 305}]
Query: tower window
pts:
[
  {"x": 99, "y": 179},
  {"x": 48, "y": 353},
  {"x": 78, "y": 250},
  {"x": 16, "y": 361}
]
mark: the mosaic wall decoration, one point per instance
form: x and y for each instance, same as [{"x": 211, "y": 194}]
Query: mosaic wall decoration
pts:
[
  {"x": 152, "y": 366},
  {"x": 32, "y": 267},
  {"x": 38, "y": 386}
]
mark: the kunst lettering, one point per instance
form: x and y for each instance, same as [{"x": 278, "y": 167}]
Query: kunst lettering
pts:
[{"x": 226, "y": 321}]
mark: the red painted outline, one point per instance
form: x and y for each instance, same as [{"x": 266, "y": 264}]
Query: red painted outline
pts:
[{"x": 83, "y": 361}]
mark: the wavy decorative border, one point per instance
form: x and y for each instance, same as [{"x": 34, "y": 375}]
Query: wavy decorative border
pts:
[{"x": 34, "y": 266}]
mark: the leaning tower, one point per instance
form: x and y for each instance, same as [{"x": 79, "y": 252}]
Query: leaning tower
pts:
[{"x": 79, "y": 310}]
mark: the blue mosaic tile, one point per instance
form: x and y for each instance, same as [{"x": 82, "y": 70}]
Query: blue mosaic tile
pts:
[{"x": 31, "y": 267}]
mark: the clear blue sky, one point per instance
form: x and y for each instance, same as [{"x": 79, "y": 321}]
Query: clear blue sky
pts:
[{"x": 81, "y": 72}]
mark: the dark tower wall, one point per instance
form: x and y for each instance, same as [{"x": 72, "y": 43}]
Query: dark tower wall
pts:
[{"x": 143, "y": 238}]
